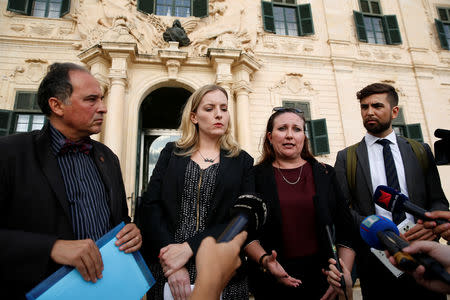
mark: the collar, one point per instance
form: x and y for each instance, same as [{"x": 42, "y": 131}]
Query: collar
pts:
[
  {"x": 58, "y": 140},
  {"x": 370, "y": 139}
]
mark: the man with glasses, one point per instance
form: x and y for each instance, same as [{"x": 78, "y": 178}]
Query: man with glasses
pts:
[{"x": 382, "y": 158}]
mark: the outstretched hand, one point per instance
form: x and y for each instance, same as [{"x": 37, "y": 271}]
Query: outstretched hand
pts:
[{"x": 270, "y": 263}]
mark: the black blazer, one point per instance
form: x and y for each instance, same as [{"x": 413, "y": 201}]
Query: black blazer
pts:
[
  {"x": 161, "y": 201},
  {"x": 328, "y": 196},
  {"x": 34, "y": 209}
]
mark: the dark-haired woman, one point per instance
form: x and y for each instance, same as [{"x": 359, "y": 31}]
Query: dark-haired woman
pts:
[{"x": 303, "y": 196}]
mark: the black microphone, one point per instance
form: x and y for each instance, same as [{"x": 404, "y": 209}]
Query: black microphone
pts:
[
  {"x": 382, "y": 234},
  {"x": 392, "y": 200},
  {"x": 442, "y": 147},
  {"x": 323, "y": 213},
  {"x": 442, "y": 133},
  {"x": 249, "y": 213}
]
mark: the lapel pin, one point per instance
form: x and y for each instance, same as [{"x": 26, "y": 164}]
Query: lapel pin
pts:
[{"x": 102, "y": 159}]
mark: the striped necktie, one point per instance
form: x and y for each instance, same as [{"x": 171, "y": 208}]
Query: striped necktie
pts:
[{"x": 391, "y": 175}]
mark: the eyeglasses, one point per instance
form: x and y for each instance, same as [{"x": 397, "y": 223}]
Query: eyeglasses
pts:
[{"x": 287, "y": 109}]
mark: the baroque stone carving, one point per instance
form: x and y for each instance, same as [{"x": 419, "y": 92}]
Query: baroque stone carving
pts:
[
  {"x": 35, "y": 69},
  {"x": 293, "y": 83}
]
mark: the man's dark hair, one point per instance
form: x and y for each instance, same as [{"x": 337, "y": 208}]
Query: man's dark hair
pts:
[
  {"x": 56, "y": 84},
  {"x": 379, "y": 88}
]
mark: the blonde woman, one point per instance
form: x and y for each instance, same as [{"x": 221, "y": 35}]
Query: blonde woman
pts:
[{"x": 193, "y": 186}]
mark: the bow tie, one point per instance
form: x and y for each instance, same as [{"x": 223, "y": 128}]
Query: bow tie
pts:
[{"x": 82, "y": 146}]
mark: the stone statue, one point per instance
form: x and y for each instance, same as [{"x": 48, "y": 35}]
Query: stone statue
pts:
[{"x": 176, "y": 33}]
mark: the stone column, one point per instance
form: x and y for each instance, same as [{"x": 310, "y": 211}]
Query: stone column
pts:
[
  {"x": 222, "y": 60},
  {"x": 244, "y": 67},
  {"x": 114, "y": 135},
  {"x": 121, "y": 55},
  {"x": 96, "y": 60},
  {"x": 242, "y": 90}
]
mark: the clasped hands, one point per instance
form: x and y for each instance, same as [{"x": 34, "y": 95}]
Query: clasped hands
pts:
[
  {"x": 85, "y": 256},
  {"x": 173, "y": 259}
]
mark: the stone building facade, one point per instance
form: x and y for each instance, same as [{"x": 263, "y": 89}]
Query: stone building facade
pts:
[{"x": 312, "y": 54}]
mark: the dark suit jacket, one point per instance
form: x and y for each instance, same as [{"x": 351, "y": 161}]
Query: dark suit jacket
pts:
[
  {"x": 423, "y": 189},
  {"x": 34, "y": 209},
  {"x": 331, "y": 209},
  {"x": 161, "y": 201}
]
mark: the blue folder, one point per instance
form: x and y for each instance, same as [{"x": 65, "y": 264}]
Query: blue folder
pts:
[{"x": 125, "y": 276}]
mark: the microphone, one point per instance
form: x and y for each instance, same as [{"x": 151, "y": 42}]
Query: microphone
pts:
[
  {"x": 323, "y": 214},
  {"x": 442, "y": 133},
  {"x": 392, "y": 200},
  {"x": 442, "y": 147},
  {"x": 382, "y": 234},
  {"x": 249, "y": 212}
]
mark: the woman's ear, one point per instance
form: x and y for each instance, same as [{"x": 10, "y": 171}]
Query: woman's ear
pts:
[
  {"x": 194, "y": 118},
  {"x": 269, "y": 137}
]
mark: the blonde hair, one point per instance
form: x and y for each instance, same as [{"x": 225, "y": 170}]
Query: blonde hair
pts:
[{"x": 189, "y": 141}]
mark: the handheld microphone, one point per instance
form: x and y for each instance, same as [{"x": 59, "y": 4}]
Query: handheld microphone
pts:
[
  {"x": 382, "y": 234},
  {"x": 442, "y": 133},
  {"x": 249, "y": 212},
  {"x": 325, "y": 218},
  {"x": 392, "y": 200}
]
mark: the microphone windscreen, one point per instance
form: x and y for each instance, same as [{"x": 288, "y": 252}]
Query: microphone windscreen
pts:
[
  {"x": 371, "y": 225},
  {"x": 383, "y": 196},
  {"x": 442, "y": 133},
  {"x": 254, "y": 208}
]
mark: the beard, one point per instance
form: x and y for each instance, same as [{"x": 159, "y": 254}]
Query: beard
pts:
[{"x": 378, "y": 127}]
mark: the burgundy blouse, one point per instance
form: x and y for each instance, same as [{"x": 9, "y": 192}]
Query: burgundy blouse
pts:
[{"x": 297, "y": 211}]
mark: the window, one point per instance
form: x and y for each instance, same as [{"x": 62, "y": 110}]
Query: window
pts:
[
  {"x": 412, "y": 131},
  {"x": 25, "y": 117},
  {"x": 375, "y": 28},
  {"x": 40, "y": 8},
  {"x": 176, "y": 8},
  {"x": 315, "y": 130},
  {"x": 443, "y": 27},
  {"x": 284, "y": 17}
]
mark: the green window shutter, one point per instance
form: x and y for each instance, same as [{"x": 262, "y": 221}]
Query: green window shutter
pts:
[
  {"x": 319, "y": 137},
  {"x": 20, "y": 6},
  {"x": 414, "y": 131},
  {"x": 364, "y": 6},
  {"x": 443, "y": 14},
  {"x": 146, "y": 6},
  {"x": 375, "y": 7},
  {"x": 200, "y": 8},
  {"x": 303, "y": 106},
  {"x": 441, "y": 34},
  {"x": 267, "y": 14},
  {"x": 360, "y": 27},
  {"x": 391, "y": 30},
  {"x": 26, "y": 101},
  {"x": 65, "y": 8},
  {"x": 305, "y": 20},
  {"x": 6, "y": 117}
]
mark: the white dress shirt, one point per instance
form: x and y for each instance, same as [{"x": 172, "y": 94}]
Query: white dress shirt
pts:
[{"x": 377, "y": 171}]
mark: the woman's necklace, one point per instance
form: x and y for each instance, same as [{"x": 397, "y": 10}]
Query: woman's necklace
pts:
[
  {"x": 284, "y": 178},
  {"x": 208, "y": 160}
]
